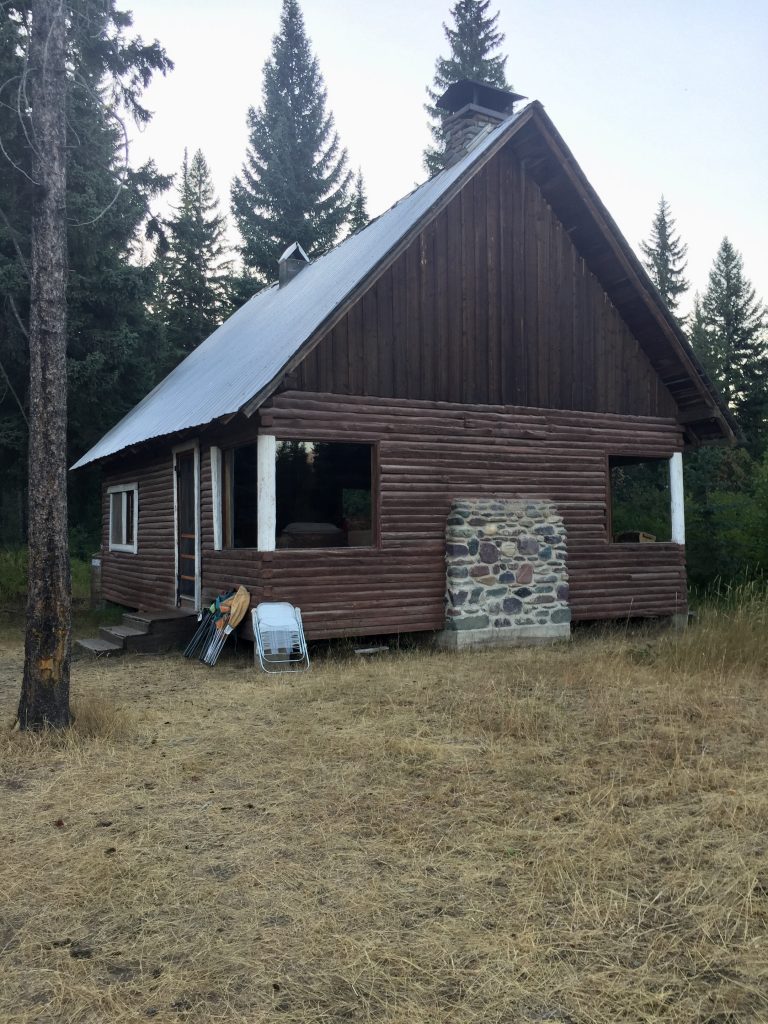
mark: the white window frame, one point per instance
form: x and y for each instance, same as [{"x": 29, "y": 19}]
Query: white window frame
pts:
[
  {"x": 123, "y": 490},
  {"x": 193, "y": 446}
]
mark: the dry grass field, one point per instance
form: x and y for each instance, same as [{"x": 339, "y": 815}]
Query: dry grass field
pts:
[{"x": 569, "y": 835}]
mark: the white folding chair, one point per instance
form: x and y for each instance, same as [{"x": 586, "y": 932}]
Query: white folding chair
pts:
[{"x": 279, "y": 634}]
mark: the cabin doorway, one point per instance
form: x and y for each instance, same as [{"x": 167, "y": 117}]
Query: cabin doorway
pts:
[{"x": 186, "y": 465}]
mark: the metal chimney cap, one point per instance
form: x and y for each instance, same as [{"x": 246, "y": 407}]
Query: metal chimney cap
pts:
[
  {"x": 294, "y": 252},
  {"x": 481, "y": 94}
]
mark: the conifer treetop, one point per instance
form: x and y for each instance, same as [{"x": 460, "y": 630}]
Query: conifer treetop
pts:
[
  {"x": 358, "y": 217},
  {"x": 729, "y": 334},
  {"x": 194, "y": 273},
  {"x": 295, "y": 181},
  {"x": 665, "y": 257}
]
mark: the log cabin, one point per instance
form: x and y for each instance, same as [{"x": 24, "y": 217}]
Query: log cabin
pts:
[{"x": 419, "y": 430}]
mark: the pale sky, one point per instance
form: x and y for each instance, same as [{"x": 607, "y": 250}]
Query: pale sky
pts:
[{"x": 654, "y": 96}]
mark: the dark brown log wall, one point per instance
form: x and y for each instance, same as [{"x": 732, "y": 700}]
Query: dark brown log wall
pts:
[
  {"x": 146, "y": 579},
  {"x": 429, "y": 453},
  {"x": 490, "y": 304}
]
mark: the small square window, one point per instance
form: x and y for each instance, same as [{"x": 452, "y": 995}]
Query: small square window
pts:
[{"x": 123, "y": 517}]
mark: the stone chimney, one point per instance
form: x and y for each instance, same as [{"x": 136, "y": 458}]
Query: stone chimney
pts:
[
  {"x": 292, "y": 262},
  {"x": 474, "y": 109}
]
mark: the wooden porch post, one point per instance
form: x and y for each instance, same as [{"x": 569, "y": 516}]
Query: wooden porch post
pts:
[{"x": 266, "y": 500}]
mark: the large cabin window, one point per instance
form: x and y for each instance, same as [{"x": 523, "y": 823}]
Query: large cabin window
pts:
[
  {"x": 640, "y": 499},
  {"x": 123, "y": 517},
  {"x": 239, "y": 518},
  {"x": 324, "y": 495}
]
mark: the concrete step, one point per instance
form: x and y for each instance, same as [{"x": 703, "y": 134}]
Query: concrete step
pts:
[
  {"x": 139, "y": 641},
  {"x": 171, "y": 623},
  {"x": 97, "y": 647},
  {"x": 118, "y": 634}
]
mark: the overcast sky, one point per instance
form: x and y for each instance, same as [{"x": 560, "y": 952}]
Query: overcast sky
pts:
[{"x": 654, "y": 96}]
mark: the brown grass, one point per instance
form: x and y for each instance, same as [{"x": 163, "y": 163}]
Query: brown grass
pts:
[{"x": 565, "y": 835}]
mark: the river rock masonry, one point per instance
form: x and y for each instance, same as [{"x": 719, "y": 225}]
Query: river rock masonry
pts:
[{"x": 506, "y": 573}]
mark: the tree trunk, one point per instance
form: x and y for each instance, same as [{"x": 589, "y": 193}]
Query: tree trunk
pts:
[{"x": 45, "y": 687}]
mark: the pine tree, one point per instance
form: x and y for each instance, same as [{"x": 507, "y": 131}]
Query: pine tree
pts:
[
  {"x": 358, "y": 216},
  {"x": 114, "y": 347},
  {"x": 472, "y": 40},
  {"x": 665, "y": 257},
  {"x": 295, "y": 182},
  {"x": 728, "y": 333},
  {"x": 44, "y": 700},
  {"x": 193, "y": 279}
]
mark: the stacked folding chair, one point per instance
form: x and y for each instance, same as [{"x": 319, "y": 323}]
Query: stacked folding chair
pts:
[
  {"x": 206, "y": 629},
  {"x": 230, "y": 615},
  {"x": 216, "y": 623},
  {"x": 279, "y": 634}
]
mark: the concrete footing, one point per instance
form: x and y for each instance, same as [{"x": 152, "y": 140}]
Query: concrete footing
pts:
[
  {"x": 679, "y": 621},
  {"x": 520, "y": 636}
]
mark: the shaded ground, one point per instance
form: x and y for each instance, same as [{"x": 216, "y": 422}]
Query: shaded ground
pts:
[{"x": 573, "y": 835}]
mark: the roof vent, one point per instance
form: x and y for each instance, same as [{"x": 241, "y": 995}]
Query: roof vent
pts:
[
  {"x": 472, "y": 107},
  {"x": 292, "y": 262}
]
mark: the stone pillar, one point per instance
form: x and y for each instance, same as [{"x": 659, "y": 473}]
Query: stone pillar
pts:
[{"x": 507, "y": 581}]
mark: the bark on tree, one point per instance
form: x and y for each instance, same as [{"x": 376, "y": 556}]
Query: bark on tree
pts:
[{"x": 45, "y": 688}]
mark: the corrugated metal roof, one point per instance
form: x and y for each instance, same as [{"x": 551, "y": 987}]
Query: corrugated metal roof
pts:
[{"x": 249, "y": 350}]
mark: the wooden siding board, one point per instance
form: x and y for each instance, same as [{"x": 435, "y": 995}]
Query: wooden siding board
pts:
[
  {"x": 481, "y": 341},
  {"x": 385, "y": 338},
  {"x": 519, "y": 346},
  {"x": 354, "y": 322},
  {"x": 530, "y": 298},
  {"x": 369, "y": 342},
  {"x": 440, "y": 315},
  {"x": 492, "y": 231},
  {"x": 465, "y": 282},
  {"x": 506, "y": 262},
  {"x": 454, "y": 304},
  {"x": 427, "y": 303},
  {"x": 413, "y": 334},
  {"x": 399, "y": 326}
]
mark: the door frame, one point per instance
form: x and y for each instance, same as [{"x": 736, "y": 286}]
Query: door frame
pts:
[{"x": 193, "y": 446}]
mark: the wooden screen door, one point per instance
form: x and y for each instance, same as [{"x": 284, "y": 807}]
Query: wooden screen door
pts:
[{"x": 186, "y": 527}]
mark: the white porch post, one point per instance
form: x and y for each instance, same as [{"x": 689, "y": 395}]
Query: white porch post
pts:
[
  {"x": 266, "y": 501},
  {"x": 216, "y": 493},
  {"x": 677, "y": 498}
]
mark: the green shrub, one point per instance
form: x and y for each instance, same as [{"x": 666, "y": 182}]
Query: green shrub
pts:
[{"x": 13, "y": 578}]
